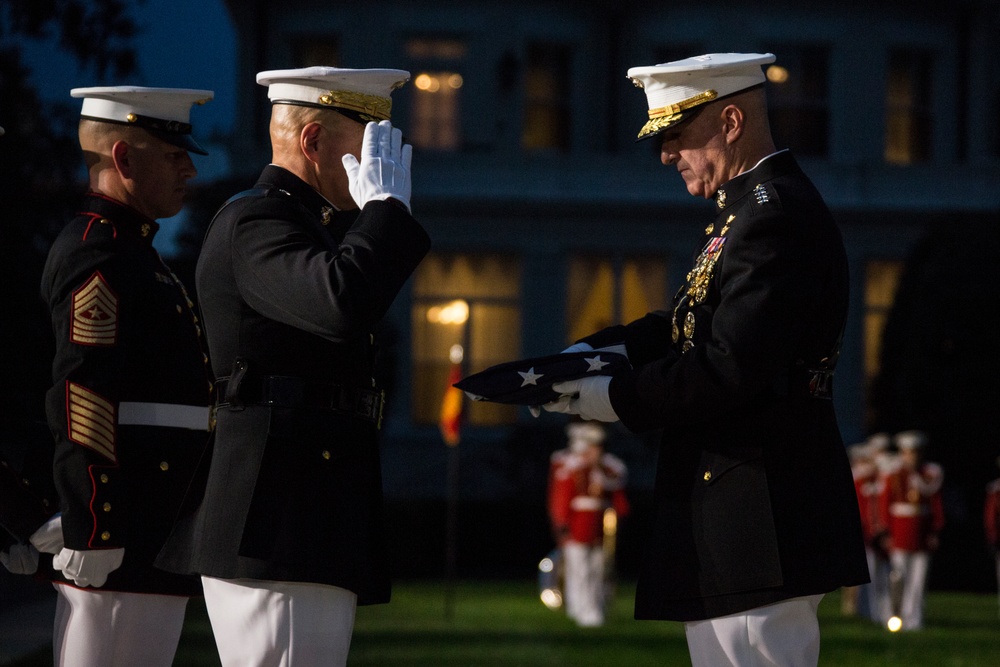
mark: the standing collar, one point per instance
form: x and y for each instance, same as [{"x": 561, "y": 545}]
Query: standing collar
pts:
[
  {"x": 775, "y": 164},
  {"x": 279, "y": 177},
  {"x": 125, "y": 219}
]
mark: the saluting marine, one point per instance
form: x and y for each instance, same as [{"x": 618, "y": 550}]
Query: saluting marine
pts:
[
  {"x": 293, "y": 279},
  {"x": 129, "y": 404}
]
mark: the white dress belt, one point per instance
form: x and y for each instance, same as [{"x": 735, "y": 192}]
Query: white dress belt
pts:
[{"x": 195, "y": 417}]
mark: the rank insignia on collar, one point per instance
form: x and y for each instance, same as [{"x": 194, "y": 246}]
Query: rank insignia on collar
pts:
[
  {"x": 325, "y": 215},
  {"x": 761, "y": 193},
  {"x": 720, "y": 198},
  {"x": 709, "y": 229}
]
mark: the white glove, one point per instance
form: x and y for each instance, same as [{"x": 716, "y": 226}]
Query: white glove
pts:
[
  {"x": 536, "y": 410},
  {"x": 20, "y": 559},
  {"x": 88, "y": 568},
  {"x": 384, "y": 170},
  {"x": 49, "y": 538},
  {"x": 587, "y": 397}
]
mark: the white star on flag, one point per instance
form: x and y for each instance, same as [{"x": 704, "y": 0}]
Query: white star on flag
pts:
[
  {"x": 596, "y": 364},
  {"x": 530, "y": 377}
]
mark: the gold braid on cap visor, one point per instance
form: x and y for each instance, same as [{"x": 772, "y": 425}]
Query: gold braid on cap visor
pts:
[
  {"x": 664, "y": 117},
  {"x": 379, "y": 108}
]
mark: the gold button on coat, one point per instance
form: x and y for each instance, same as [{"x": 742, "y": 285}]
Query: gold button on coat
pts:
[
  {"x": 326, "y": 454},
  {"x": 105, "y": 536},
  {"x": 107, "y": 507},
  {"x": 164, "y": 466},
  {"x": 104, "y": 479},
  {"x": 708, "y": 475}
]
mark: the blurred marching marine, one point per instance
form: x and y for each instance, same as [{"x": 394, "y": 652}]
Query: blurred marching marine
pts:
[
  {"x": 912, "y": 517},
  {"x": 991, "y": 522},
  {"x": 294, "y": 277},
  {"x": 871, "y": 462},
  {"x": 129, "y": 406},
  {"x": 585, "y": 483}
]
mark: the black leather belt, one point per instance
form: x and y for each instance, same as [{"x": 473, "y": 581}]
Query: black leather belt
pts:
[{"x": 282, "y": 391}]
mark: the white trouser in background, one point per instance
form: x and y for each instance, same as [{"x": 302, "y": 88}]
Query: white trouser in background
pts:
[
  {"x": 279, "y": 623},
  {"x": 784, "y": 634},
  {"x": 911, "y": 567},
  {"x": 584, "y": 583},
  {"x": 95, "y": 628}
]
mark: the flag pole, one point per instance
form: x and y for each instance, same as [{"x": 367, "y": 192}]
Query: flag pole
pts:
[{"x": 450, "y": 426}]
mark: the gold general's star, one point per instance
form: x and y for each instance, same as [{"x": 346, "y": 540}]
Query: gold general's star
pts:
[
  {"x": 595, "y": 364},
  {"x": 530, "y": 377}
]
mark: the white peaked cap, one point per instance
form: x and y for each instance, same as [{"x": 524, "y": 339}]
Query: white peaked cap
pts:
[
  {"x": 673, "y": 88},
  {"x": 163, "y": 112},
  {"x": 361, "y": 94}
]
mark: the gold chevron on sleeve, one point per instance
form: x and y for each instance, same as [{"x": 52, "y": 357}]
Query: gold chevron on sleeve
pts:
[
  {"x": 95, "y": 313},
  {"x": 90, "y": 419}
]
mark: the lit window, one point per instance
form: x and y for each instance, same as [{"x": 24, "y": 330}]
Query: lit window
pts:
[
  {"x": 603, "y": 292},
  {"x": 798, "y": 98},
  {"x": 881, "y": 282},
  {"x": 472, "y": 301},
  {"x": 435, "y": 114},
  {"x": 546, "y": 98},
  {"x": 908, "y": 115}
]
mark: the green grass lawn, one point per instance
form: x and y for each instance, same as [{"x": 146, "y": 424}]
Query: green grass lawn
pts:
[{"x": 491, "y": 624}]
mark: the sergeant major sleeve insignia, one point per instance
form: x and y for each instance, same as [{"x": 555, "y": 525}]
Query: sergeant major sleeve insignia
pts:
[{"x": 95, "y": 313}]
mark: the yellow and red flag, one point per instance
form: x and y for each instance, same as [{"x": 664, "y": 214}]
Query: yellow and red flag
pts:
[{"x": 450, "y": 421}]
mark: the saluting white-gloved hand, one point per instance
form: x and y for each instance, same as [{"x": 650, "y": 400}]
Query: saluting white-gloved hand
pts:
[
  {"x": 20, "y": 559},
  {"x": 88, "y": 568},
  {"x": 587, "y": 397},
  {"x": 49, "y": 538},
  {"x": 384, "y": 170}
]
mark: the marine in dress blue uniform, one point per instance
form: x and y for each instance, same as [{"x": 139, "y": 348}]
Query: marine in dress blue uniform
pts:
[
  {"x": 293, "y": 278},
  {"x": 129, "y": 403},
  {"x": 755, "y": 515}
]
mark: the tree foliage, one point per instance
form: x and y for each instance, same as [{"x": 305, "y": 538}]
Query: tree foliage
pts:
[{"x": 40, "y": 175}]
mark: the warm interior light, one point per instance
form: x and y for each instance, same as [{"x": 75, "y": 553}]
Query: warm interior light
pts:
[
  {"x": 895, "y": 624},
  {"x": 455, "y": 80},
  {"x": 424, "y": 82},
  {"x": 456, "y": 354},
  {"x": 777, "y": 74},
  {"x": 456, "y": 312}
]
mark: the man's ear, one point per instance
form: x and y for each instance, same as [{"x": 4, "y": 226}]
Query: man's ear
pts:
[
  {"x": 734, "y": 122},
  {"x": 120, "y": 155},
  {"x": 309, "y": 140}
]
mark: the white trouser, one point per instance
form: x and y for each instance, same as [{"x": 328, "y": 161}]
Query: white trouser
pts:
[
  {"x": 911, "y": 567},
  {"x": 279, "y": 623},
  {"x": 879, "y": 597},
  {"x": 584, "y": 571},
  {"x": 785, "y": 634},
  {"x": 95, "y": 628}
]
